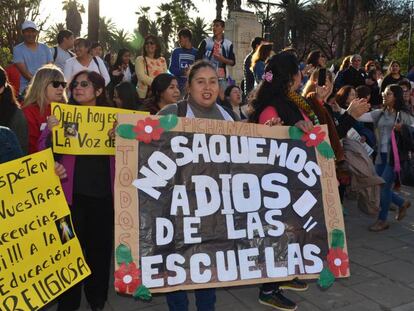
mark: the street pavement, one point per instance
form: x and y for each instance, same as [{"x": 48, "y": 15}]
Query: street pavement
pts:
[{"x": 382, "y": 274}]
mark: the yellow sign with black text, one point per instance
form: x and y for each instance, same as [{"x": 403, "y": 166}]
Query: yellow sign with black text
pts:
[
  {"x": 83, "y": 130},
  {"x": 40, "y": 255}
]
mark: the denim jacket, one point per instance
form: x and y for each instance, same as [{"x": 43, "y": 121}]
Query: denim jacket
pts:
[{"x": 10, "y": 147}]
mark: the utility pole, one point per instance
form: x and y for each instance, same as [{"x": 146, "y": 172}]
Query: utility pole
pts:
[{"x": 267, "y": 22}]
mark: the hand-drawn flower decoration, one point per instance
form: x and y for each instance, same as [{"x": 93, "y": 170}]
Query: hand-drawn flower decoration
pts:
[
  {"x": 127, "y": 278},
  {"x": 338, "y": 261},
  {"x": 148, "y": 130},
  {"x": 314, "y": 137}
]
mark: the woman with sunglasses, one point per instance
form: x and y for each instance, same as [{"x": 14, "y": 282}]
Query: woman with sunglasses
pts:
[
  {"x": 47, "y": 86},
  {"x": 149, "y": 65},
  {"x": 88, "y": 190}
]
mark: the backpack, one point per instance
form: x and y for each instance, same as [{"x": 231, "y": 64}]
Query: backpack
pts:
[{"x": 56, "y": 52}]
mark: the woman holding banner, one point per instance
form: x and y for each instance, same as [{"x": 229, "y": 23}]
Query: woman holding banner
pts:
[
  {"x": 201, "y": 103},
  {"x": 277, "y": 102},
  {"x": 88, "y": 190},
  {"x": 47, "y": 86}
]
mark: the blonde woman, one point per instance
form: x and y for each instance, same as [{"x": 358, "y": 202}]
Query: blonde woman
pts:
[
  {"x": 48, "y": 85},
  {"x": 149, "y": 65},
  {"x": 263, "y": 52}
]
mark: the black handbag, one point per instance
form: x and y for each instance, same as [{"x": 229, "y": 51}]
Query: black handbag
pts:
[{"x": 407, "y": 171}]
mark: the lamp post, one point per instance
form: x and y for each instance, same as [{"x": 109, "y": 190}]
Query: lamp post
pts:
[
  {"x": 267, "y": 22},
  {"x": 410, "y": 35}
]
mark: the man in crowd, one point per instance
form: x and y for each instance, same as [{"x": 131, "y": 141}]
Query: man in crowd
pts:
[
  {"x": 219, "y": 51},
  {"x": 30, "y": 55},
  {"x": 182, "y": 58},
  {"x": 62, "y": 52},
  {"x": 248, "y": 74}
]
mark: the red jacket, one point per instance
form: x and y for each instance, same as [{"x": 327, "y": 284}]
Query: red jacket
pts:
[
  {"x": 34, "y": 123},
  {"x": 13, "y": 76}
]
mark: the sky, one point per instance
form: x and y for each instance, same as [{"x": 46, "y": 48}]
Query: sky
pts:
[{"x": 122, "y": 12}]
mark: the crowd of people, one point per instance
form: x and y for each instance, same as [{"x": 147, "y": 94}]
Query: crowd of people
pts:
[{"x": 369, "y": 117}]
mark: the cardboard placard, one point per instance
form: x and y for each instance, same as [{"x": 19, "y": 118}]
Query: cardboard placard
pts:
[
  {"x": 40, "y": 255},
  {"x": 211, "y": 203},
  {"x": 83, "y": 130}
]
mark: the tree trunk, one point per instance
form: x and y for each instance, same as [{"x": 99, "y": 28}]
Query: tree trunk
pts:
[
  {"x": 93, "y": 20},
  {"x": 219, "y": 8}
]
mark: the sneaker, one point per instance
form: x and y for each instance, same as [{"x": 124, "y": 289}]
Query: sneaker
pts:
[
  {"x": 295, "y": 285},
  {"x": 403, "y": 210},
  {"x": 379, "y": 225},
  {"x": 276, "y": 300}
]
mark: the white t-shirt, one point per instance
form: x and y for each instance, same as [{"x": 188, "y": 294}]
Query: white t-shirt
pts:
[{"x": 72, "y": 67}]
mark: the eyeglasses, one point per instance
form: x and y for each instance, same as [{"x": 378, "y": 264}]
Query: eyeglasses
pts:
[
  {"x": 56, "y": 84},
  {"x": 83, "y": 84},
  {"x": 150, "y": 43}
]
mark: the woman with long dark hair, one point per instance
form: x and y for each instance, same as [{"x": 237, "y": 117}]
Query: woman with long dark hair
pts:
[
  {"x": 149, "y": 65},
  {"x": 393, "y": 119},
  {"x": 164, "y": 91},
  {"x": 11, "y": 115},
  {"x": 123, "y": 69},
  {"x": 125, "y": 96},
  {"x": 88, "y": 190}
]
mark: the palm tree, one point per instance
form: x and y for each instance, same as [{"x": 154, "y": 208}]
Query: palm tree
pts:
[
  {"x": 50, "y": 36},
  {"x": 107, "y": 30},
  {"x": 73, "y": 15},
  {"x": 121, "y": 40},
  {"x": 199, "y": 28},
  {"x": 93, "y": 20}
]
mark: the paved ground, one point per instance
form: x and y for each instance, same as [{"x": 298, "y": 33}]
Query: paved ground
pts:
[{"x": 382, "y": 275}]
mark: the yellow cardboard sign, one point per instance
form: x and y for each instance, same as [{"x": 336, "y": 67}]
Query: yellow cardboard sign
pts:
[
  {"x": 83, "y": 130},
  {"x": 40, "y": 255}
]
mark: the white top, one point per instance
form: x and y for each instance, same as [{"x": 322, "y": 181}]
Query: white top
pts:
[
  {"x": 61, "y": 56},
  {"x": 72, "y": 67}
]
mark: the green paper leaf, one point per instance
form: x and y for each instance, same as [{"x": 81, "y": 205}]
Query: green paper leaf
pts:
[
  {"x": 295, "y": 133},
  {"x": 142, "y": 293},
  {"x": 123, "y": 254},
  {"x": 126, "y": 131},
  {"x": 326, "y": 150},
  {"x": 337, "y": 239},
  {"x": 326, "y": 278},
  {"x": 168, "y": 122}
]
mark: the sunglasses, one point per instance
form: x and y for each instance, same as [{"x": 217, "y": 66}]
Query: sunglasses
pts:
[
  {"x": 56, "y": 84},
  {"x": 83, "y": 84},
  {"x": 150, "y": 43}
]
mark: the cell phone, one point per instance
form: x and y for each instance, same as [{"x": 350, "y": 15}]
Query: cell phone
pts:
[{"x": 322, "y": 77}]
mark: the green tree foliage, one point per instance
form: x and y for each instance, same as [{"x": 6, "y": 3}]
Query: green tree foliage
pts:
[
  {"x": 400, "y": 53},
  {"x": 50, "y": 34},
  {"x": 5, "y": 56},
  {"x": 199, "y": 28},
  {"x": 12, "y": 15}
]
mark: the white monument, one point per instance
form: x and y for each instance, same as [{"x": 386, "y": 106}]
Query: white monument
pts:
[{"x": 241, "y": 28}]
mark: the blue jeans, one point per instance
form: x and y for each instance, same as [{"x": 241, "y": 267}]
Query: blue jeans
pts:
[
  {"x": 387, "y": 195},
  {"x": 205, "y": 300}
]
